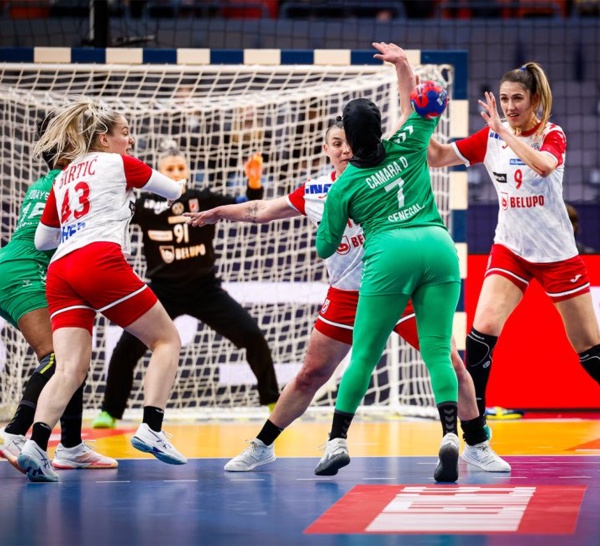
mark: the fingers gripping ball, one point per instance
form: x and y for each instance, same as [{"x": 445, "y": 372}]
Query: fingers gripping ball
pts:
[{"x": 429, "y": 99}]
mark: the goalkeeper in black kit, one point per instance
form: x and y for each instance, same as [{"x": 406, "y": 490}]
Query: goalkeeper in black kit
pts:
[{"x": 182, "y": 273}]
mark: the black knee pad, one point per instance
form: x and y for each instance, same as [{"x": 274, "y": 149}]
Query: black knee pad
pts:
[
  {"x": 479, "y": 348},
  {"x": 590, "y": 360},
  {"x": 47, "y": 366}
]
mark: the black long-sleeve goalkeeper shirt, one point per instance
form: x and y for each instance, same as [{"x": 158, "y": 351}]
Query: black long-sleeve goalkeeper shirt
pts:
[{"x": 176, "y": 252}]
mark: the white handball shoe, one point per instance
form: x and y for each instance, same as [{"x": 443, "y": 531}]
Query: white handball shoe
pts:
[
  {"x": 336, "y": 456},
  {"x": 35, "y": 463},
  {"x": 482, "y": 456},
  {"x": 447, "y": 467},
  {"x": 81, "y": 456},
  {"x": 255, "y": 455},
  {"x": 156, "y": 443},
  {"x": 11, "y": 446}
]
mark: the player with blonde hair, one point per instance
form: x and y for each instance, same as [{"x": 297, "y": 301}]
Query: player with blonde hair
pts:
[{"x": 86, "y": 219}]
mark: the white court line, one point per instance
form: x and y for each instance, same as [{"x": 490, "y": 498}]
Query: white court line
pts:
[
  {"x": 246, "y": 479},
  {"x": 113, "y": 481},
  {"x": 180, "y": 481},
  {"x": 572, "y": 477}
]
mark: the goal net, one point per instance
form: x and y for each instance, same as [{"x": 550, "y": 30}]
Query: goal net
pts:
[{"x": 218, "y": 116}]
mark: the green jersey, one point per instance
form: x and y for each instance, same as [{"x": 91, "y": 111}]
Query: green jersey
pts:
[
  {"x": 21, "y": 245},
  {"x": 395, "y": 194}
]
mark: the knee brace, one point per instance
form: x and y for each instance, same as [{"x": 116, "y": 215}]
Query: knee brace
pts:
[
  {"x": 479, "y": 349},
  {"x": 590, "y": 360},
  {"x": 38, "y": 380}
]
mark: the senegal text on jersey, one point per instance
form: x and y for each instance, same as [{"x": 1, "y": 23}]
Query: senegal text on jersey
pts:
[{"x": 405, "y": 214}]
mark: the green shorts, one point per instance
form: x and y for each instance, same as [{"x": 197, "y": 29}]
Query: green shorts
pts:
[
  {"x": 22, "y": 289},
  {"x": 400, "y": 260}
]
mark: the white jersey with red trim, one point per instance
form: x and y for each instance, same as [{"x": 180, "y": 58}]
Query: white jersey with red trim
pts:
[
  {"x": 92, "y": 200},
  {"x": 532, "y": 220},
  {"x": 345, "y": 266}
]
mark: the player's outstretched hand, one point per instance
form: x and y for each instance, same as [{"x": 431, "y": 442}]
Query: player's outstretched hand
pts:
[
  {"x": 204, "y": 218},
  {"x": 490, "y": 112},
  {"x": 390, "y": 53}
]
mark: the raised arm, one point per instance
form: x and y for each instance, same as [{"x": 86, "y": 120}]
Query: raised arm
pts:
[
  {"x": 543, "y": 163},
  {"x": 442, "y": 155},
  {"x": 255, "y": 212},
  {"x": 395, "y": 55}
]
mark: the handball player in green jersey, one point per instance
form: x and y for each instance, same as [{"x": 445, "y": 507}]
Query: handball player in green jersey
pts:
[{"x": 409, "y": 254}]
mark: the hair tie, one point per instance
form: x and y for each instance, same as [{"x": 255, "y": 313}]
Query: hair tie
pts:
[{"x": 523, "y": 68}]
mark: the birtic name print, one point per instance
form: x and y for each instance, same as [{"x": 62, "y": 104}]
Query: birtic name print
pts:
[
  {"x": 78, "y": 171},
  {"x": 383, "y": 176}
]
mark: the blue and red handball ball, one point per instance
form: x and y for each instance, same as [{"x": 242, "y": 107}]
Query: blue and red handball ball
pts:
[{"x": 429, "y": 99}]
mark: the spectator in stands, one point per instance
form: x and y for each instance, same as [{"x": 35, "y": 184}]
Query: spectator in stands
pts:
[
  {"x": 574, "y": 218},
  {"x": 424, "y": 9}
]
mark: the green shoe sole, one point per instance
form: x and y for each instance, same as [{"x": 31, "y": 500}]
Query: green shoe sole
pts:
[{"x": 104, "y": 420}]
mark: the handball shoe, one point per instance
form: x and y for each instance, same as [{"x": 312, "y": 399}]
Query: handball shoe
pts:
[
  {"x": 156, "y": 443},
  {"x": 447, "y": 467},
  {"x": 256, "y": 454},
  {"x": 35, "y": 463},
  {"x": 335, "y": 457},
  {"x": 11, "y": 446},
  {"x": 104, "y": 420},
  {"x": 485, "y": 458},
  {"x": 81, "y": 456}
]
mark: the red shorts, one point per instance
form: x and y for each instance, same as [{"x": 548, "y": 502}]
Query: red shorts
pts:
[
  {"x": 338, "y": 313},
  {"x": 560, "y": 280},
  {"x": 95, "y": 278}
]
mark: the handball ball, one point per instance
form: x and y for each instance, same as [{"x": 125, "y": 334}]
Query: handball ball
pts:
[{"x": 429, "y": 99}]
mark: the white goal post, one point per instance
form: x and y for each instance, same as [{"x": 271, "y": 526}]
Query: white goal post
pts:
[{"x": 218, "y": 115}]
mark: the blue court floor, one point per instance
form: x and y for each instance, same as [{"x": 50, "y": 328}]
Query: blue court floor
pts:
[{"x": 376, "y": 501}]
